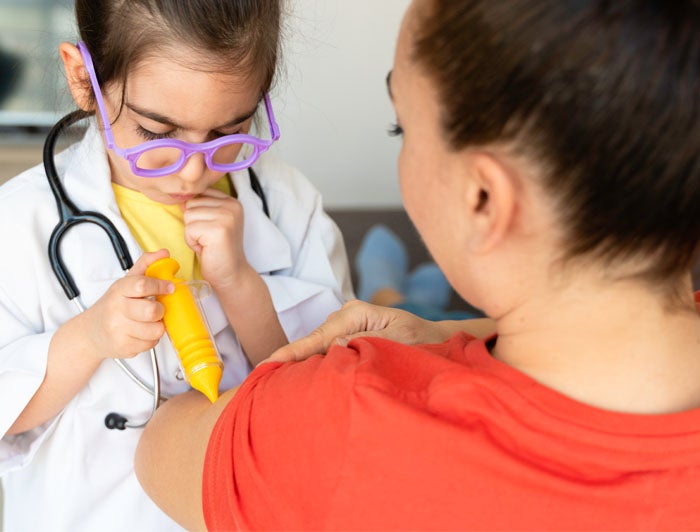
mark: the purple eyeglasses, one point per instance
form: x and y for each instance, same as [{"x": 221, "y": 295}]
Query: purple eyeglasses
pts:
[{"x": 162, "y": 157}]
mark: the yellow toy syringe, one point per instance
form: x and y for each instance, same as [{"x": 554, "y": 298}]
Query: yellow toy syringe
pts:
[{"x": 188, "y": 331}]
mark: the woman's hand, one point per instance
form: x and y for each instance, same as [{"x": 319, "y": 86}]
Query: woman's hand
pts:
[
  {"x": 214, "y": 230},
  {"x": 126, "y": 320},
  {"x": 358, "y": 318}
]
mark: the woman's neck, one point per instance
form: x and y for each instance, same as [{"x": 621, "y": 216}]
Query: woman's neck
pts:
[{"x": 614, "y": 345}]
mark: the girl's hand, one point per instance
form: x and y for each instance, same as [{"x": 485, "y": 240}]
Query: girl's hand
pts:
[
  {"x": 214, "y": 230},
  {"x": 126, "y": 320}
]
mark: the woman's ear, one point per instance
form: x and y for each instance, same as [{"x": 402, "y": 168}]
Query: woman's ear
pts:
[
  {"x": 76, "y": 75},
  {"x": 491, "y": 200}
]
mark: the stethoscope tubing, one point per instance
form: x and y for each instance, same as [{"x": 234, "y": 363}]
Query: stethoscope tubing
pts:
[
  {"x": 120, "y": 422},
  {"x": 69, "y": 217}
]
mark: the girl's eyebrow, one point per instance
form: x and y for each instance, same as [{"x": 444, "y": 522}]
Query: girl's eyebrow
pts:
[{"x": 151, "y": 115}]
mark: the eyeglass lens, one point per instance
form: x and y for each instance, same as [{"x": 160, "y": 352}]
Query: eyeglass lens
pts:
[{"x": 166, "y": 157}]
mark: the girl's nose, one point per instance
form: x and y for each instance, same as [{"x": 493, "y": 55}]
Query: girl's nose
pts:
[{"x": 194, "y": 168}]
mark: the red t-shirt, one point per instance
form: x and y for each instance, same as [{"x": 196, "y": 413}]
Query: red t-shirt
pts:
[{"x": 382, "y": 436}]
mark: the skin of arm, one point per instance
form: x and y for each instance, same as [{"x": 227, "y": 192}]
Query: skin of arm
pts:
[
  {"x": 169, "y": 460},
  {"x": 214, "y": 230},
  {"x": 121, "y": 324},
  {"x": 249, "y": 309},
  {"x": 357, "y": 319}
]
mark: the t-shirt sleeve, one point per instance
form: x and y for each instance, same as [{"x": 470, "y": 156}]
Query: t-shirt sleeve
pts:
[{"x": 285, "y": 428}]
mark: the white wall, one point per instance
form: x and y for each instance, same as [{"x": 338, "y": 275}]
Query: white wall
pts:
[{"x": 331, "y": 99}]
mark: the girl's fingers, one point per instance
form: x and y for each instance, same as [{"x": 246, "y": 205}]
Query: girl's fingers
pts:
[
  {"x": 201, "y": 234},
  {"x": 220, "y": 212},
  {"x": 210, "y": 193},
  {"x": 207, "y": 203},
  {"x": 140, "y": 287},
  {"x": 144, "y": 310},
  {"x": 206, "y": 214},
  {"x": 148, "y": 332},
  {"x": 145, "y": 260},
  {"x": 136, "y": 285}
]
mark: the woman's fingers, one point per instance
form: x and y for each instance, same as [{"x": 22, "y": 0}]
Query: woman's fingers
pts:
[
  {"x": 355, "y": 318},
  {"x": 317, "y": 342}
]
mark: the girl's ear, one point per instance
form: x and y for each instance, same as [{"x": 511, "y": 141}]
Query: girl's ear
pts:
[
  {"x": 76, "y": 75},
  {"x": 492, "y": 201}
]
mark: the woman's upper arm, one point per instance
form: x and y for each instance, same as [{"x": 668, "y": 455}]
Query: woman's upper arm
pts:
[
  {"x": 170, "y": 456},
  {"x": 255, "y": 465}
]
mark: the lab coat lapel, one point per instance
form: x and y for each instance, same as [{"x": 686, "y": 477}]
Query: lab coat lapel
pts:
[
  {"x": 266, "y": 248},
  {"x": 88, "y": 251}
]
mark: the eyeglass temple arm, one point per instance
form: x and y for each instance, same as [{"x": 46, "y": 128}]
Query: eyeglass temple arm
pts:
[
  {"x": 90, "y": 67},
  {"x": 274, "y": 128}
]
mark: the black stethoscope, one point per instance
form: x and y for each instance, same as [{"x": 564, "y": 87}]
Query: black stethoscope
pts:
[{"x": 70, "y": 216}]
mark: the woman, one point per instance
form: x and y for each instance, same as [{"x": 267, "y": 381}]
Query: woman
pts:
[{"x": 534, "y": 135}]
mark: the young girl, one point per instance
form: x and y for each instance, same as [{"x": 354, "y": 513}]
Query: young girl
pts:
[{"x": 198, "y": 73}]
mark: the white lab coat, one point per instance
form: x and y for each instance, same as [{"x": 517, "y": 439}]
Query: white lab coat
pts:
[{"x": 72, "y": 473}]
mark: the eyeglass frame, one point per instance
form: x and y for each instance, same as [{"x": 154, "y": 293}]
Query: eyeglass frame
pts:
[{"x": 187, "y": 149}]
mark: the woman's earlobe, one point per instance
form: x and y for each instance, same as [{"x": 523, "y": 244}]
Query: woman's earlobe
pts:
[{"x": 76, "y": 75}]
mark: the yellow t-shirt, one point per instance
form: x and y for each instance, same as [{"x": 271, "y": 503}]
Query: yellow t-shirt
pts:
[{"x": 156, "y": 226}]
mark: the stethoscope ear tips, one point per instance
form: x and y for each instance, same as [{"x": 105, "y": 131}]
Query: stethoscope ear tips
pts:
[{"x": 115, "y": 421}]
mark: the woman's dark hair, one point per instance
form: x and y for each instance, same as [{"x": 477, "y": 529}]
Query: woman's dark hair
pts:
[
  {"x": 605, "y": 94},
  {"x": 230, "y": 34}
]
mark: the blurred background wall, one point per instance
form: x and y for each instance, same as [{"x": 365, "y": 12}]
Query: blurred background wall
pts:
[{"x": 333, "y": 103}]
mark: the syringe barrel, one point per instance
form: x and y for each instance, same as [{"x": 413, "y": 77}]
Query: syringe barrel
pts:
[{"x": 188, "y": 331}]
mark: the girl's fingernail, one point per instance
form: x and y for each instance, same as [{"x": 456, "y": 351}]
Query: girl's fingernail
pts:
[{"x": 342, "y": 341}]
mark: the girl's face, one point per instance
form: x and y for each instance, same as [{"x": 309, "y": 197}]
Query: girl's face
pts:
[{"x": 165, "y": 98}]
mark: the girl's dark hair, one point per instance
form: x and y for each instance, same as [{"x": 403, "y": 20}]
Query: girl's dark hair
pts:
[
  {"x": 605, "y": 94},
  {"x": 231, "y": 34}
]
